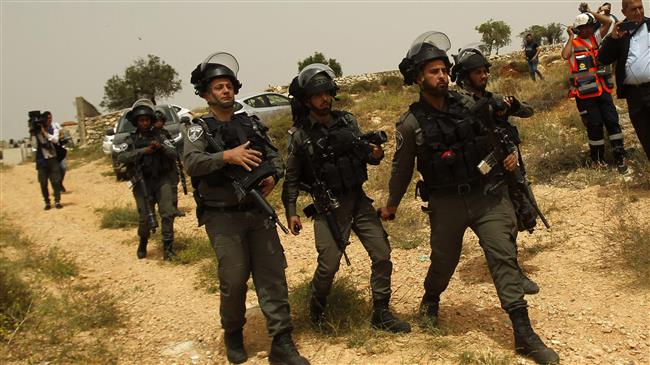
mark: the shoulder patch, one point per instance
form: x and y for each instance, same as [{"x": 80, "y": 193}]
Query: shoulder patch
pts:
[
  {"x": 194, "y": 132},
  {"x": 168, "y": 143}
]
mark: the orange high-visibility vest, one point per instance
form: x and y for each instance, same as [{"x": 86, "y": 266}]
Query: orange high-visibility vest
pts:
[{"x": 587, "y": 79}]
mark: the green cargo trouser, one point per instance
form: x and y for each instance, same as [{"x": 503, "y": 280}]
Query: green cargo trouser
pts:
[
  {"x": 164, "y": 196},
  {"x": 356, "y": 213},
  {"x": 492, "y": 218},
  {"x": 245, "y": 244},
  {"x": 51, "y": 171}
]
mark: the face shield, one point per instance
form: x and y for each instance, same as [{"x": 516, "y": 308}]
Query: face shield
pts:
[
  {"x": 223, "y": 59},
  {"x": 436, "y": 39},
  {"x": 312, "y": 70}
]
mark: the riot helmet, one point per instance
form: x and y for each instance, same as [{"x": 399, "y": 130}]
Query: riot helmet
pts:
[
  {"x": 316, "y": 78},
  {"x": 141, "y": 107},
  {"x": 468, "y": 58},
  {"x": 218, "y": 64},
  {"x": 428, "y": 46}
]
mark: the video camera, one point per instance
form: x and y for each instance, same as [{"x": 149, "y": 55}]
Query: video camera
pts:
[{"x": 36, "y": 121}]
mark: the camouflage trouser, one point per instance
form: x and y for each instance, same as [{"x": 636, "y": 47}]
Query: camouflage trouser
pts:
[
  {"x": 164, "y": 196},
  {"x": 357, "y": 214},
  {"x": 493, "y": 220},
  {"x": 245, "y": 244},
  {"x": 52, "y": 172}
]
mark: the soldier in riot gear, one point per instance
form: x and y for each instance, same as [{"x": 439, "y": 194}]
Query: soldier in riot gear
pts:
[
  {"x": 159, "y": 127},
  {"x": 150, "y": 157},
  {"x": 323, "y": 149},
  {"x": 217, "y": 147},
  {"x": 471, "y": 71},
  {"x": 448, "y": 142}
]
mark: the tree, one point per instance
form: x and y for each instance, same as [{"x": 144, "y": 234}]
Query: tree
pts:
[
  {"x": 554, "y": 33},
  {"x": 151, "y": 78},
  {"x": 549, "y": 34},
  {"x": 495, "y": 34},
  {"x": 318, "y": 57}
]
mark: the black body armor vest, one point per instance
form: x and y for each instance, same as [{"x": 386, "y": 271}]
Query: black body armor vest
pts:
[
  {"x": 336, "y": 155},
  {"x": 240, "y": 129},
  {"x": 450, "y": 147},
  {"x": 153, "y": 165}
]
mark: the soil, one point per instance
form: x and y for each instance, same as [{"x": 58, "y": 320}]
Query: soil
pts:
[{"x": 590, "y": 308}]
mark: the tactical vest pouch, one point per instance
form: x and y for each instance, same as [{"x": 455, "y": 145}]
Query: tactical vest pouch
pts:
[
  {"x": 587, "y": 85},
  {"x": 605, "y": 73},
  {"x": 332, "y": 176}
]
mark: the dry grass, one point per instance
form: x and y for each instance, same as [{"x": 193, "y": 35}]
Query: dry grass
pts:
[{"x": 45, "y": 318}]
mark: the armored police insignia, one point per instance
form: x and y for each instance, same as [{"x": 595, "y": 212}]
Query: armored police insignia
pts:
[
  {"x": 195, "y": 132},
  {"x": 399, "y": 140}
]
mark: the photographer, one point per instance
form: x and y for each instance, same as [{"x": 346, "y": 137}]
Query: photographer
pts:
[
  {"x": 61, "y": 151},
  {"x": 45, "y": 138},
  {"x": 629, "y": 47},
  {"x": 591, "y": 86}
]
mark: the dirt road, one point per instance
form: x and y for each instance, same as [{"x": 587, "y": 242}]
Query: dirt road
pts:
[{"x": 589, "y": 308}]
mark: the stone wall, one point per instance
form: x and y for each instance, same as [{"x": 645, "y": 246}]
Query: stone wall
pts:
[{"x": 96, "y": 126}]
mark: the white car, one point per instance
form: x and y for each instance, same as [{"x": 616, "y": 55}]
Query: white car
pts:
[
  {"x": 180, "y": 111},
  {"x": 263, "y": 104}
]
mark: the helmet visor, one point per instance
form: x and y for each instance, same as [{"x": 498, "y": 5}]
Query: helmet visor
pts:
[
  {"x": 224, "y": 59},
  {"x": 469, "y": 50},
  {"x": 312, "y": 70},
  {"x": 436, "y": 39}
]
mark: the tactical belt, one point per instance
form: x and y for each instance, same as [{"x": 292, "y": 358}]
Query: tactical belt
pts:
[
  {"x": 460, "y": 189},
  {"x": 232, "y": 208}
]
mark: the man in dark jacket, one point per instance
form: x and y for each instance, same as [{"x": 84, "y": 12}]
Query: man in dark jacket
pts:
[{"x": 629, "y": 47}]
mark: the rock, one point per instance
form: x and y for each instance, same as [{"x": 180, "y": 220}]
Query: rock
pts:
[
  {"x": 179, "y": 349},
  {"x": 262, "y": 355}
]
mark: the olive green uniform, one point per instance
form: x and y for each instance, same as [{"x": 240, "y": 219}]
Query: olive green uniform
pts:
[
  {"x": 244, "y": 241},
  {"x": 159, "y": 173},
  {"x": 355, "y": 213},
  {"x": 458, "y": 203}
]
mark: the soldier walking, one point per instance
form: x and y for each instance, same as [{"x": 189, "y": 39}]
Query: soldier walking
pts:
[
  {"x": 325, "y": 148},
  {"x": 244, "y": 240}
]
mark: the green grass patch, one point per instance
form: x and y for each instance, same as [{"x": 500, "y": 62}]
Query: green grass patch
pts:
[
  {"x": 44, "y": 319},
  {"x": 118, "y": 217},
  {"x": 206, "y": 276},
  {"x": 191, "y": 249},
  {"x": 484, "y": 358},
  {"x": 347, "y": 315},
  {"x": 632, "y": 245},
  {"x": 57, "y": 265}
]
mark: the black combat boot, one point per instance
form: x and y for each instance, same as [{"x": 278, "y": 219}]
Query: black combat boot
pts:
[
  {"x": 317, "y": 310},
  {"x": 48, "y": 206},
  {"x": 284, "y": 352},
  {"x": 429, "y": 310},
  {"x": 527, "y": 342},
  {"x": 168, "y": 253},
  {"x": 142, "y": 248},
  {"x": 235, "y": 347},
  {"x": 383, "y": 319}
]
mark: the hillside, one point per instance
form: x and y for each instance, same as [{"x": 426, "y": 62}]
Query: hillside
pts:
[{"x": 593, "y": 265}]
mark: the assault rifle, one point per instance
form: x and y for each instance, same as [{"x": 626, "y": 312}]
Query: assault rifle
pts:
[
  {"x": 325, "y": 203},
  {"x": 244, "y": 182},
  {"x": 137, "y": 181},
  {"x": 521, "y": 195}
]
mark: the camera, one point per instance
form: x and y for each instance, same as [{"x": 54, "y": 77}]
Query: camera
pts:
[{"x": 36, "y": 121}]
